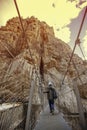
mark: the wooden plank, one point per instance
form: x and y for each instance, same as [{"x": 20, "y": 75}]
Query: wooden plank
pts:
[
  {"x": 80, "y": 107},
  {"x": 47, "y": 121}
]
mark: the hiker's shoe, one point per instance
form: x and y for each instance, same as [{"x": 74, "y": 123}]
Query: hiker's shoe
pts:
[{"x": 52, "y": 112}]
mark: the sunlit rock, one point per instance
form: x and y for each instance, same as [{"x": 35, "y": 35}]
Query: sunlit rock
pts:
[{"x": 20, "y": 54}]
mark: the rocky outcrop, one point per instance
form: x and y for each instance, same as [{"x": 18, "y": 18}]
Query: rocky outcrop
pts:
[{"x": 21, "y": 52}]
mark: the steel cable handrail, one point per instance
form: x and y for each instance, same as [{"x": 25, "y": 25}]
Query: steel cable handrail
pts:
[
  {"x": 28, "y": 47},
  {"x": 75, "y": 43}
]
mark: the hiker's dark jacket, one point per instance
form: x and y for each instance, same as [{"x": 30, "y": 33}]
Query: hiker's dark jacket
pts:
[{"x": 50, "y": 93}]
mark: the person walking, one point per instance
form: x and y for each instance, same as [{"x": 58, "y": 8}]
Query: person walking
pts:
[{"x": 51, "y": 96}]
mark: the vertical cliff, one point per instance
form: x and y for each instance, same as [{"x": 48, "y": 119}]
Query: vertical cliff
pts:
[{"x": 21, "y": 52}]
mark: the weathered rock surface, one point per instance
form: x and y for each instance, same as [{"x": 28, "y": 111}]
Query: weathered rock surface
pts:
[{"x": 19, "y": 52}]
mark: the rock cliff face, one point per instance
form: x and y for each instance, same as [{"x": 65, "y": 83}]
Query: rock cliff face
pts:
[{"x": 20, "y": 52}]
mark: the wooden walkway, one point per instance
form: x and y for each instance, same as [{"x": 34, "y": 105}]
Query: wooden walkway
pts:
[{"x": 47, "y": 121}]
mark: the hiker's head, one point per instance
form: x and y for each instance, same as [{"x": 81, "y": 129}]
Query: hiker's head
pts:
[{"x": 50, "y": 84}]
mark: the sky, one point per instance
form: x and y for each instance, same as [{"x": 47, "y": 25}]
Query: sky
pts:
[{"x": 64, "y": 15}]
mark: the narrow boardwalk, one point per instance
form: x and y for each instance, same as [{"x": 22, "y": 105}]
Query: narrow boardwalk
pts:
[{"x": 48, "y": 121}]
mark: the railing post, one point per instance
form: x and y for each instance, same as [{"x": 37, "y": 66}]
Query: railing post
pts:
[
  {"x": 80, "y": 107},
  {"x": 27, "y": 124},
  {"x": 41, "y": 93}
]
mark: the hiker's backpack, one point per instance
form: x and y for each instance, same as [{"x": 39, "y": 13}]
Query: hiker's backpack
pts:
[{"x": 55, "y": 94}]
